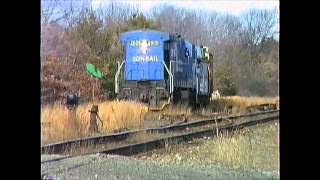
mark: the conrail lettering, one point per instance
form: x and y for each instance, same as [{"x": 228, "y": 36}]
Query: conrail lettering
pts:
[
  {"x": 144, "y": 43},
  {"x": 144, "y": 58}
]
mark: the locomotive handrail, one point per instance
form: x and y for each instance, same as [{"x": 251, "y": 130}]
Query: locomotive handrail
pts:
[
  {"x": 171, "y": 76},
  {"x": 116, "y": 78},
  {"x": 172, "y": 83}
]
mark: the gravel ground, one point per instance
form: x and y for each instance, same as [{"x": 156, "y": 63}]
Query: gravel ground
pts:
[{"x": 99, "y": 166}]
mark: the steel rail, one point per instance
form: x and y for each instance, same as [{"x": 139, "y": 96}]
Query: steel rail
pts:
[{"x": 60, "y": 147}]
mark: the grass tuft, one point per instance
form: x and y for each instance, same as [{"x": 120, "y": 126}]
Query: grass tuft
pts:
[{"x": 58, "y": 123}]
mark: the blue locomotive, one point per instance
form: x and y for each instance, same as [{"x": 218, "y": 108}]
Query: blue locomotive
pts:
[{"x": 159, "y": 68}]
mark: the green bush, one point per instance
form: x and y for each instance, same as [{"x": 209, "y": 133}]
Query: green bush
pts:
[{"x": 225, "y": 81}]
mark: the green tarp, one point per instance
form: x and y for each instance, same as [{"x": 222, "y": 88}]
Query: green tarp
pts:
[{"x": 92, "y": 71}]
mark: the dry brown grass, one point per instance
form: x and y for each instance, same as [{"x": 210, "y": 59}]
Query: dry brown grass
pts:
[
  {"x": 177, "y": 109},
  {"x": 60, "y": 124},
  {"x": 254, "y": 148},
  {"x": 250, "y": 101},
  {"x": 240, "y": 103}
]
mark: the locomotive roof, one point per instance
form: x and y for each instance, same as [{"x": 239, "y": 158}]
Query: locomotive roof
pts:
[
  {"x": 158, "y": 34},
  {"x": 144, "y": 31},
  {"x": 136, "y": 33}
]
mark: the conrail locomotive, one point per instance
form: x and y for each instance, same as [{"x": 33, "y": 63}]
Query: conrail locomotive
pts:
[{"x": 160, "y": 68}]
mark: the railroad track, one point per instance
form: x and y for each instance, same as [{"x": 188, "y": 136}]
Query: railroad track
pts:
[{"x": 133, "y": 142}]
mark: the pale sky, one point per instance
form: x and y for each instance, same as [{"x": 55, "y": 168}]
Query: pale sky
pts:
[{"x": 235, "y": 7}]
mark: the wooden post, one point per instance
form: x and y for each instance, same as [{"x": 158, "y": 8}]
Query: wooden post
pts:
[
  {"x": 54, "y": 95},
  {"x": 93, "y": 93},
  {"x": 96, "y": 84},
  {"x": 93, "y": 127},
  {"x": 217, "y": 130}
]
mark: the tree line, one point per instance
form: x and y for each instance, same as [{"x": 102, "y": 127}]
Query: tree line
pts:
[{"x": 245, "y": 50}]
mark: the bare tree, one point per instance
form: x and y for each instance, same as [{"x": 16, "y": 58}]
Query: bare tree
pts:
[
  {"x": 76, "y": 34},
  {"x": 47, "y": 8},
  {"x": 257, "y": 26},
  {"x": 170, "y": 19}
]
